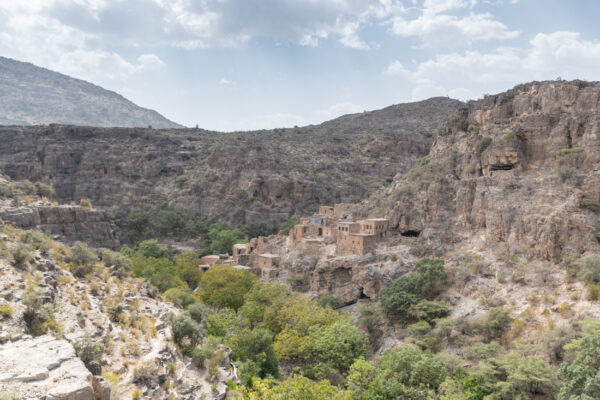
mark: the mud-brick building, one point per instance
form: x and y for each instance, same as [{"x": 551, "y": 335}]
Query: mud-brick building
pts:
[
  {"x": 356, "y": 243},
  {"x": 266, "y": 260},
  {"x": 374, "y": 226}
]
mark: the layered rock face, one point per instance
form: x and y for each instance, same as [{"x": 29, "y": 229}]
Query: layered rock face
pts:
[
  {"x": 67, "y": 223},
  {"x": 46, "y": 367},
  {"x": 240, "y": 177},
  {"x": 519, "y": 167}
]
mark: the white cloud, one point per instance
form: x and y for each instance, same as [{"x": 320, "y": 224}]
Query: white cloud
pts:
[
  {"x": 435, "y": 28},
  {"x": 396, "y": 68},
  {"x": 463, "y": 75},
  {"x": 28, "y": 34},
  {"x": 224, "y": 81}
]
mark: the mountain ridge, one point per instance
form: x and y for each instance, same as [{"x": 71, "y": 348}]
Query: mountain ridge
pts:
[{"x": 32, "y": 95}]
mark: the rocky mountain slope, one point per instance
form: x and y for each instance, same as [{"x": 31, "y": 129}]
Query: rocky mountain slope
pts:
[
  {"x": 103, "y": 336},
  {"x": 518, "y": 168},
  {"x": 239, "y": 177},
  {"x": 30, "y": 95}
]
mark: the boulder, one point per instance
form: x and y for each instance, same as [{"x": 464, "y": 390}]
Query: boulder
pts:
[{"x": 46, "y": 367}]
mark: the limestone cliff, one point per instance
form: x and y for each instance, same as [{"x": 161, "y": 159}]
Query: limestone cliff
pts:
[
  {"x": 240, "y": 177},
  {"x": 66, "y": 223},
  {"x": 518, "y": 168}
]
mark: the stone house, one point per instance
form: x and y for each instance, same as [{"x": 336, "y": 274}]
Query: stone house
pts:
[
  {"x": 211, "y": 259},
  {"x": 266, "y": 260},
  {"x": 356, "y": 243},
  {"x": 374, "y": 226}
]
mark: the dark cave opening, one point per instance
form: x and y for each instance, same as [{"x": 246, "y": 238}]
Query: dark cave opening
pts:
[
  {"x": 363, "y": 295},
  {"x": 410, "y": 233},
  {"x": 501, "y": 167}
]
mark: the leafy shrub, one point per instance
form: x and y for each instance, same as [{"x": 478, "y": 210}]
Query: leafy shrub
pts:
[
  {"x": 21, "y": 254},
  {"x": 186, "y": 332},
  {"x": 83, "y": 259},
  {"x": 38, "y": 316},
  {"x": 90, "y": 353},
  {"x": 120, "y": 263},
  {"x": 428, "y": 310},
  {"x": 509, "y": 136},
  {"x": 287, "y": 225},
  {"x": 426, "y": 281},
  {"x": 27, "y": 187},
  {"x": 146, "y": 373},
  {"x": 31, "y": 237},
  {"x": 328, "y": 301},
  {"x": 483, "y": 144},
  {"x": 497, "y": 322},
  {"x": 114, "y": 313},
  {"x": 590, "y": 204},
  {"x": 555, "y": 339},
  {"x": 370, "y": 319},
  {"x": 481, "y": 351},
  {"x": 6, "y": 311},
  {"x": 202, "y": 352},
  {"x": 404, "y": 370},
  {"x": 589, "y": 268},
  {"x": 406, "y": 190},
  {"x": 471, "y": 170},
  {"x": 419, "y": 329},
  {"x": 6, "y": 191},
  {"x": 513, "y": 375},
  {"x": 464, "y": 125},
  {"x": 43, "y": 190},
  {"x": 180, "y": 297}
]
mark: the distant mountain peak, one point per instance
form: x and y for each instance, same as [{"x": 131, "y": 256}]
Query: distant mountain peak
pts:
[{"x": 31, "y": 95}]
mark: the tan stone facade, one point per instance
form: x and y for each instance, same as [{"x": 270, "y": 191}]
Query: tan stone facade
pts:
[{"x": 267, "y": 260}]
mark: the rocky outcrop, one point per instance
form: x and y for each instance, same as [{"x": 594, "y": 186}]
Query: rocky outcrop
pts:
[
  {"x": 240, "y": 177},
  {"x": 67, "y": 223},
  {"x": 519, "y": 167},
  {"x": 46, "y": 367}
]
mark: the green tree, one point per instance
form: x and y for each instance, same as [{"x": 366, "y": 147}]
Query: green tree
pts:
[
  {"x": 336, "y": 345},
  {"x": 186, "y": 266},
  {"x": 187, "y": 333},
  {"x": 497, "y": 322},
  {"x": 224, "y": 286},
  {"x": 294, "y": 388},
  {"x": 581, "y": 377},
  {"x": 222, "y": 239},
  {"x": 360, "y": 376},
  {"x": 259, "y": 298},
  {"x": 256, "y": 346}
]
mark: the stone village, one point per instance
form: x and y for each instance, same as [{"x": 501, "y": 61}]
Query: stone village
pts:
[{"x": 331, "y": 232}]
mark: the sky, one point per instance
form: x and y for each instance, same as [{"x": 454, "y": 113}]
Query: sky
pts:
[{"x": 250, "y": 64}]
